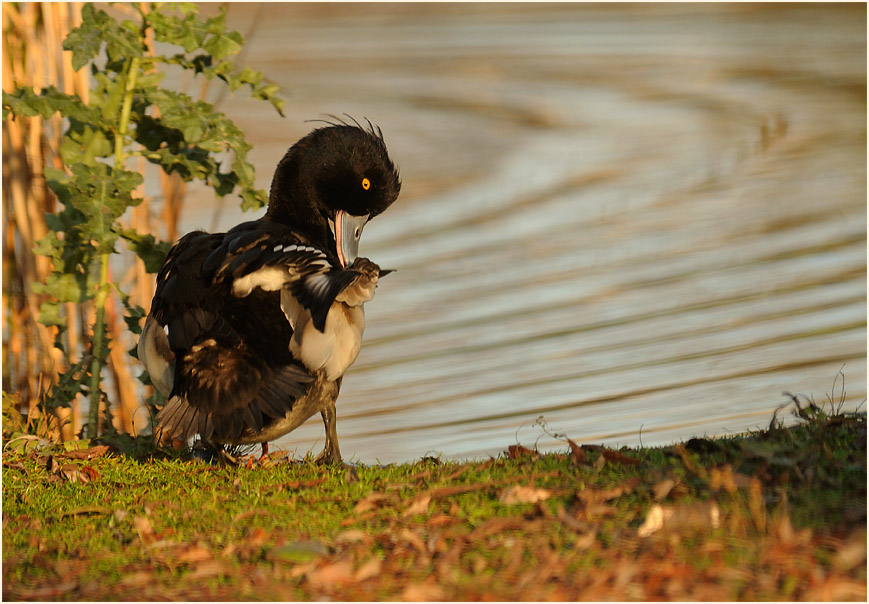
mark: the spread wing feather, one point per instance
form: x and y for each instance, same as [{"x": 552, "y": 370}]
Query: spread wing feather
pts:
[{"x": 317, "y": 292}]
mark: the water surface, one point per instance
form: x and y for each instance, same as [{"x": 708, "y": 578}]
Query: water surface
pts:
[{"x": 642, "y": 223}]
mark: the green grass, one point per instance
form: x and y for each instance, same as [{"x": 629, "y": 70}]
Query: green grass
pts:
[{"x": 791, "y": 505}]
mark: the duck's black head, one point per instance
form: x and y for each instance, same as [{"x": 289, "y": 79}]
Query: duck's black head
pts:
[{"x": 331, "y": 183}]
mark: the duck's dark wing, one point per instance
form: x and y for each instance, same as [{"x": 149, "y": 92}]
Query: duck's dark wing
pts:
[
  {"x": 270, "y": 257},
  {"x": 218, "y": 308}
]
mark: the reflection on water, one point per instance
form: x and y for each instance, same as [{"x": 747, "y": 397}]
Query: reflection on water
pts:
[{"x": 639, "y": 222}]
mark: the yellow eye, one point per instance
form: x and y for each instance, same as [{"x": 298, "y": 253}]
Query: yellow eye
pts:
[{"x": 366, "y": 184}]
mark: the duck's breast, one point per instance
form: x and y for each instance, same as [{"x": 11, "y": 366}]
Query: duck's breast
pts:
[{"x": 335, "y": 348}]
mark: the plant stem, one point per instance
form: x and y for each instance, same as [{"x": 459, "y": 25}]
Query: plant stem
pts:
[
  {"x": 96, "y": 362},
  {"x": 103, "y": 288},
  {"x": 120, "y": 139}
]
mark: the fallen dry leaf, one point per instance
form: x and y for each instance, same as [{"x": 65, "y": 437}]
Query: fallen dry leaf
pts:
[
  {"x": 851, "y": 554},
  {"x": 368, "y": 570},
  {"x": 570, "y": 521},
  {"x": 599, "y": 462},
  {"x": 156, "y": 544},
  {"x": 257, "y": 537},
  {"x": 663, "y": 488},
  {"x": 303, "y": 484},
  {"x": 353, "y": 536},
  {"x": 725, "y": 478},
  {"x": 577, "y": 453},
  {"x": 522, "y": 494},
  {"x": 412, "y": 538},
  {"x": 300, "y": 570},
  {"x": 688, "y": 461},
  {"x": 358, "y": 518},
  {"x": 88, "y": 509},
  {"x": 422, "y": 592},
  {"x": 518, "y": 452},
  {"x": 143, "y": 528},
  {"x": 476, "y": 468},
  {"x": 757, "y": 504},
  {"x": 586, "y": 540},
  {"x": 592, "y": 496},
  {"x": 499, "y": 525},
  {"x": 680, "y": 518},
  {"x": 209, "y": 568},
  {"x": 837, "y": 589},
  {"x": 616, "y": 457},
  {"x": 654, "y": 520},
  {"x": 89, "y": 453},
  {"x": 52, "y": 592},
  {"x": 249, "y": 514},
  {"x": 194, "y": 554},
  {"x": 137, "y": 579},
  {"x": 332, "y": 574},
  {"x": 229, "y": 550},
  {"x": 441, "y": 519},
  {"x": 784, "y": 530},
  {"x": 69, "y": 471},
  {"x": 419, "y": 505},
  {"x": 442, "y": 492},
  {"x": 51, "y": 465},
  {"x": 373, "y": 501},
  {"x": 421, "y": 502},
  {"x": 15, "y": 465}
]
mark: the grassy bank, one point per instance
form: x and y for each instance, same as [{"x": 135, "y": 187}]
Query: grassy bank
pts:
[{"x": 779, "y": 514}]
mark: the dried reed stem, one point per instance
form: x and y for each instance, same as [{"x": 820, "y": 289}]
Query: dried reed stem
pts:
[{"x": 33, "y": 56}]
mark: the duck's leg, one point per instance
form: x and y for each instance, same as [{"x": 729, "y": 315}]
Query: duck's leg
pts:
[
  {"x": 331, "y": 453},
  {"x": 265, "y": 447}
]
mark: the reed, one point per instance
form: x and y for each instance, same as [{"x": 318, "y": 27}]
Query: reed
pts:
[
  {"x": 32, "y": 56},
  {"x": 33, "y": 35},
  {"x": 47, "y": 368}
]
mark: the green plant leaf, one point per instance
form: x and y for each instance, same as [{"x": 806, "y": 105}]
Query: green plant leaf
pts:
[
  {"x": 49, "y": 314},
  {"x": 253, "y": 200},
  {"x": 133, "y": 316},
  {"x": 129, "y": 114},
  {"x": 70, "y": 384},
  {"x": 185, "y": 31},
  {"x": 83, "y": 143},
  {"x": 23, "y": 101},
  {"x": 250, "y": 76},
  {"x": 86, "y": 40},
  {"x": 65, "y": 287},
  {"x": 146, "y": 247},
  {"x": 221, "y": 43},
  {"x": 122, "y": 40}
]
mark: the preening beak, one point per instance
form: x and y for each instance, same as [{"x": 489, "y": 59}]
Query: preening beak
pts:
[{"x": 347, "y": 230}]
